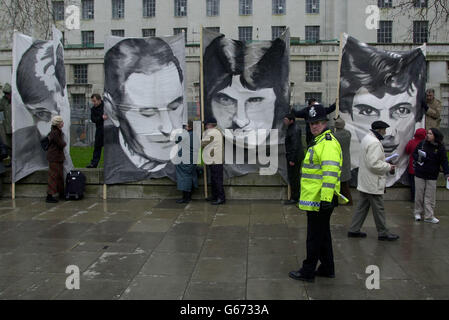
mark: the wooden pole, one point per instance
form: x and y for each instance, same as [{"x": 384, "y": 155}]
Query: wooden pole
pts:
[
  {"x": 105, "y": 192},
  {"x": 202, "y": 104},
  {"x": 13, "y": 190},
  {"x": 337, "y": 104}
]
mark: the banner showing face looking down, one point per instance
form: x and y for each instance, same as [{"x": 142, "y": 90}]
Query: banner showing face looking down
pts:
[
  {"x": 39, "y": 92},
  {"x": 246, "y": 89},
  {"x": 144, "y": 98},
  {"x": 382, "y": 85}
]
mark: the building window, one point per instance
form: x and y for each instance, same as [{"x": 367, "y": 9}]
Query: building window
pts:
[
  {"x": 245, "y": 34},
  {"x": 118, "y": 9},
  {"x": 148, "y": 32},
  {"x": 312, "y": 33},
  {"x": 87, "y": 38},
  {"x": 276, "y": 31},
  {"x": 385, "y": 32},
  {"x": 313, "y": 71},
  {"x": 278, "y": 7},
  {"x": 180, "y": 8},
  {"x": 318, "y": 96},
  {"x": 420, "y": 31},
  {"x": 180, "y": 30},
  {"x": 149, "y": 8},
  {"x": 78, "y": 102},
  {"x": 214, "y": 29},
  {"x": 213, "y": 8},
  {"x": 58, "y": 10},
  {"x": 118, "y": 33},
  {"x": 312, "y": 6},
  {"x": 420, "y": 4},
  {"x": 385, "y": 3},
  {"x": 80, "y": 73},
  {"x": 87, "y": 7},
  {"x": 245, "y": 7}
]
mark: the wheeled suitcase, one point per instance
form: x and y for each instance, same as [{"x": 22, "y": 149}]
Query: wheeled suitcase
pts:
[{"x": 75, "y": 185}]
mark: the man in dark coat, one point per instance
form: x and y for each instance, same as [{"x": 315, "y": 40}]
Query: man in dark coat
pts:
[
  {"x": 186, "y": 177},
  {"x": 295, "y": 154},
  {"x": 97, "y": 116}
]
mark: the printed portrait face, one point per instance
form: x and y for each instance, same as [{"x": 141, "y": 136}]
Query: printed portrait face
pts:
[
  {"x": 243, "y": 110},
  {"x": 155, "y": 108},
  {"x": 42, "y": 91},
  {"x": 396, "y": 110}
]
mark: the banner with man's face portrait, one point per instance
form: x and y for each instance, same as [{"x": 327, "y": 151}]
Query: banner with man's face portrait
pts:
[
  {"x": 246, "y": 89},
  {"x": 386, "y": 86},
  {"x": 39, "y": 92},
  {"x": 144, "y": 99}
]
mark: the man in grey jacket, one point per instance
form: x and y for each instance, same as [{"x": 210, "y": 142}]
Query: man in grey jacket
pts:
[{"x": 371, "y": 183}]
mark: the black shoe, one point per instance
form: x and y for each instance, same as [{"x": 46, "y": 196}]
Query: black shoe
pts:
[
  {"x": 91, "y": 166},
  {"x": 182, "y": 201},
  {"x": 299, "y": 276},
  {"x": 211, "y": 199},
  {"x": 51, "y": 199},
  {"x": 218, "y": 201},
  {"x": 290, "y": 202},
  {"x": 388, "y": 237},
  {"x": 356, "y": 234},
  {"x": 324, "y": 275}
]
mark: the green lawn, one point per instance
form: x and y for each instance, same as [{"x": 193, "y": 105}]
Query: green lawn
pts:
[{"x": 81, "y": 156}]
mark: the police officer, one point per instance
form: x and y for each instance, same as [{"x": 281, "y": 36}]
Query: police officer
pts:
[
  {"x": 320, "y": 188},
  {"x": 97, "y": 116}
]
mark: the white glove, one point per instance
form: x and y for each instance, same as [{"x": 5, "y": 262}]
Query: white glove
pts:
[{"x": 422, "y": 154}]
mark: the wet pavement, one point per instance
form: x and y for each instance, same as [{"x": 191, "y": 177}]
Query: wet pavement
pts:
[{"x": 157, "y": 249}]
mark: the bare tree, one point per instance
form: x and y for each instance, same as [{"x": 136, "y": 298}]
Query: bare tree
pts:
[
  {"x": 33, "y": 17},
  {"x": 436, "y": 12}
]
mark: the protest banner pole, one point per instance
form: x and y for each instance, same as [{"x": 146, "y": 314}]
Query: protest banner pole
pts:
[
  {"x": 202, "y": 104},
  {"x": 105, "y": 192},
  {"x": 337, "y": 103},
  {"x": 13, "y": 191}
]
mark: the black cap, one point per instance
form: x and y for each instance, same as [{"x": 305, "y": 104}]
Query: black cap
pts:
[
  {"x": 379, "y": 125},
  {"x": 210, "y": 120},
  {"x": 316, "y": 112}
]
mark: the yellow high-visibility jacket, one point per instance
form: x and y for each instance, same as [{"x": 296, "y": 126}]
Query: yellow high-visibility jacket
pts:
[{"x": 320, "y": 172}]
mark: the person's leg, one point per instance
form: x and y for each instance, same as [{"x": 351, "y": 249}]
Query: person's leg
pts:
[
  {"x": 97, "y": 149},
  {"x": 360, "y": 213},
  {"x": 377, "y": 203},
  {"x": 326, "y": 258},
  {"x": 429, "y": 199},
  {"x": 313, "y": 244},
  {"x": 213, "y": 179},
  {"x": 293, "y": 178},
  {"x": 411, "y": 178},
  {"x": 419, "y": 197},
  {"x": 60, "y": 180},
  {"x": 219, "y": 180},
  {"x": 52, "y": 186}
]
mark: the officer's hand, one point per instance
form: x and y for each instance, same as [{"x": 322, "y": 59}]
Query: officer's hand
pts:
[
  {"x": 326, "y": 206},
  {"x": 291, "y": 163}
]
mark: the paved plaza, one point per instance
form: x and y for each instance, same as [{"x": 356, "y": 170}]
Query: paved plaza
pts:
[{"x": 157, "y": 249}]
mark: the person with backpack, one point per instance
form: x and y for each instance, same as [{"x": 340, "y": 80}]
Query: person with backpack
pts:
[
  {"x": 55, "y": 157},
  {"x": 429, "y": 156}
]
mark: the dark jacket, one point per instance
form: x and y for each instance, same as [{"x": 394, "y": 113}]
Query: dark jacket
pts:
[
  {"x": 435, "y": 158},
  {"x": 55, "y": 151},
  {"x": 294, "y": 151},
  {"x": 96, "y": 115}
]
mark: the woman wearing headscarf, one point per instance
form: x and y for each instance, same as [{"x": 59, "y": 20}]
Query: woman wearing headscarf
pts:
[
  {"x": 429, "y": 156},
  {"x": 55, "y": 157}
]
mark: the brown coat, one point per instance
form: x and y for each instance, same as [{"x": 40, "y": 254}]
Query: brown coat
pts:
[
  {"x": 433, "y": 114},
  {"x": 55, "y": 151}
]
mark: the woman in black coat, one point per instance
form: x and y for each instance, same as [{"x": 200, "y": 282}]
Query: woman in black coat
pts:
[
  {"x": 429, "y": 155},
  {"x": 55, "y": 157}
]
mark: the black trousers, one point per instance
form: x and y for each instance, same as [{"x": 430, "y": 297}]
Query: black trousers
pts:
[
  {"x": 319, "y": 244},
  {"x": 99, "y": 142},
  {"x": 216, "y": 176},
  {"x": 293, "y": 173},
  {"x": 411, "y": 179}
]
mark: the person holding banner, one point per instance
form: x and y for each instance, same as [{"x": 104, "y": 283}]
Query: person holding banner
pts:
[{"x": 429, "y": 155}]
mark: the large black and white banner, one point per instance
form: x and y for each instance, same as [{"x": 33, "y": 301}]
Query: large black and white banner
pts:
[
  {"x": 144, "y": 99},
  {"x": 382, "y": 85},
  {"x": 39, "y": 92},
  {"x": 246, "y": 89}
]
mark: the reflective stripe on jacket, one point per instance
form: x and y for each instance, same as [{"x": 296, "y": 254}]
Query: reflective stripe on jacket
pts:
[{"x": 321, "y": 170}]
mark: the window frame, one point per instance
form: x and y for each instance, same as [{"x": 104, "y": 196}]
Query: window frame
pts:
[
  {"x": 385, "y": 33},
  {"x": 417, "y": 34},
  {"x": 307, "y": 33},
  {"x": 85, "y": 9},
  {"x": 310, "y": 4},
  {"x": 58, "y": 10},
  {"x": 178, "y": 6},
  {"x": 118, "y": 9},
  {"x": 86, "y": 33},
  {"x": 280, "y": 30},
  {"x": 276, "y": 4},
  {"x": 148, "y": 8},
  {"x": 81, "y": 75},
  {"x": 149, "y": 29},
  {"x": 312, "y": 75},
  {"x": 245, "y": 29},
  {"x": 212, "y": 8},
  {"x": 245, "y": 7}
]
